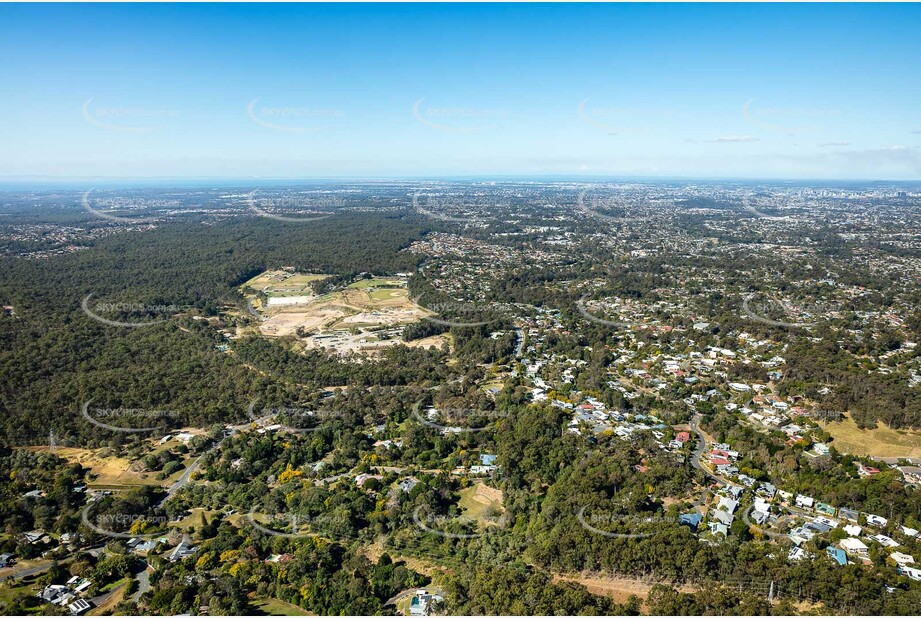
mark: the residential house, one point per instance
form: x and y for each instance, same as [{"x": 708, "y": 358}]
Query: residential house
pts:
[
  {"x": 762, "y": 505},
  {"x": 759, "y": 517},
  {"x": 876, "y": 520},
  {"x": 482, "y": 470},
  {"x": 56, "y": 594},
  {"x": 825, "y": 521},
  {"x": 902, "y": 559},
  {"x": 804, "y": 502},
  {"x": 719, "y": 528},
  {"x": 421, "y": 604},
  {"x": 723, "y": 517},
  {"x": 691, "y": 520},
  {"x": 884, "y": 540},
  {"x": 408, "y": 484},
  {"x": 183, "y": 550},
  {"x": 821, "y": 450},
  {"x": 801, "y": 535},
  {"x": 825, "y": 509},
  {"x": 912, "y": 474},
  {"x": 911, "y": 573},
  {"x": 849, "y": 514},
  {"x": 854, "y": 547}
]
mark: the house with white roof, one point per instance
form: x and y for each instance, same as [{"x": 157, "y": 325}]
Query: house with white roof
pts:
[
  {"x": 854, "y": 546},
  {"x": 876, "y": 520},
  {"x": 853, "y": 530}
]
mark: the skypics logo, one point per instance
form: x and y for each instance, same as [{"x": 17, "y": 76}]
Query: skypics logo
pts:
[
  {"x": 782, "y": 522},
  {"x": 788, "y": 121},
  {"x": 287, "y": 525},
  {"x": 457, "y": 119},
  {"x": 118, "y": 525},
  {"x": 124, "y": 309},
  {"x": 291, "y": 119},
  {"x": 292, "y": 419},
  {"x": 634, "y": 526},
  {"x": 593, "y": 206},
  {"x": 280, "y": 208},
  {"x": 607, "y": 120},
  {"x": 124, "y": 119},
  {"x": 105, "y": 214},
  {"x": 582, "y": 306},
  {"x": 441, "y": 525},
  {"x": 776, "y": 312},
  {"x": 457, "y": 420},
  {"x": 748, "y": 203},
  {"x": 456, "y": 310},
  {"x": 129, "y": 415},
  {"x": 443, "y": 203}
]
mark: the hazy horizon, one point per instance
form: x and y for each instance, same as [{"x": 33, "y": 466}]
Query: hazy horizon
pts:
[{"x": 722, "y": 91}]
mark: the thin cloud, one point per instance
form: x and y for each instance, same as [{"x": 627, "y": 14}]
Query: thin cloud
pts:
[
  {"x": 732, "y": 139},
  {"x": 917, "y": 131},
  {"x": 827, "y": 144}
]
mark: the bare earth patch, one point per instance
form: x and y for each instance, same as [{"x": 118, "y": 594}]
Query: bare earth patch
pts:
[{"x": 617, "y": 588}]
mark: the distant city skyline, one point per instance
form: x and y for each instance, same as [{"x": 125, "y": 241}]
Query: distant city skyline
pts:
[{"x": 240, "y": 91}]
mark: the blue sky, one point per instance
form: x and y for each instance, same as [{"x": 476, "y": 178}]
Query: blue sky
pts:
[{"x": 243, "y": 91}]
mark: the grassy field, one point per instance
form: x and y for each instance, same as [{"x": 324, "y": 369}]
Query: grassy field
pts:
[
  {"x": 108, "y": 471},
  {"x": 879, "y": 442},
  {"x": 25, "y": 586},
  {"x": 379, "y": 283},
  {"x": 193, "y": 519},
  {"x": 277, "y": 607},
  {"x": 113, "y": 472},
  {"x": 481, "y": 503},
  {"x": 277, "y": 279}
]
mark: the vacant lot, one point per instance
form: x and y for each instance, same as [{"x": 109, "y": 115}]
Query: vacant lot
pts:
[
  {"x": 283, "y": 283},
  {"x": 482, "y": 503},
  {"x": 617, "y": 588},
  {"x": 115, "y": 472},
  {"x": 879, "y": 442},
  {"x": 348, "y": 320},
  {"x": 277, "y": 607},
  {"x": 108, "y": 471}
]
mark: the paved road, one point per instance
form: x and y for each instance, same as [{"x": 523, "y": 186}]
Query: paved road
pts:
[
  {"x": 701, "y": 447},
  {"x": 25, "y": 572},
  {"x": 695, "y": 461},
  {"x": 519, "y": 338},
  {"x": 187, "y": 475},
  {"x": 411, "y": 592},
  {"x": 143, "y": 584}
]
